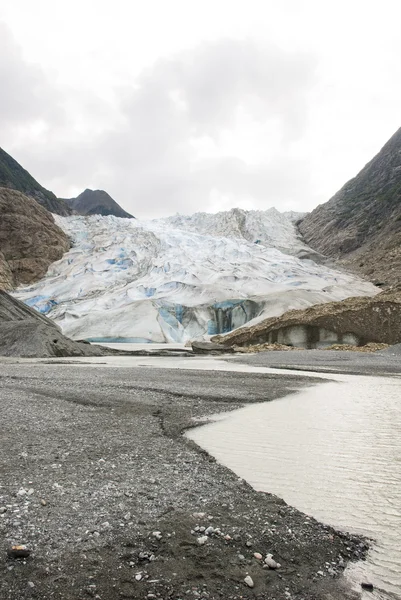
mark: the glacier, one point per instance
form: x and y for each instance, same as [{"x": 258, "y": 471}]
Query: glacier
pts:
[{"x": 182, "y": 277}]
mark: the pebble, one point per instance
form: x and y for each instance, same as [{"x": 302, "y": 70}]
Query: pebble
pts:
[
  {"x": 43, "y": 502},
  {"x": 257, "y": 555},
  {"x": 367, "y": 586},
  {"x": 209, "y": 531},
  {"x": 248, "y": 544},
  {"x": 249, "y": 581},
  {"x": 138, "y": 576},
  {"x": 202, "y": 540},
  {"x": 270, "y": 562},
  {"x": 158, "y": 535},
  {"x": 20, "y": 551}
]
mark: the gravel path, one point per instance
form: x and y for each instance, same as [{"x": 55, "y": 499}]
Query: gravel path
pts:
[{"x": 93, "y": 465}]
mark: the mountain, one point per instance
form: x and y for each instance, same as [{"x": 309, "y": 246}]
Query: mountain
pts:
[
  {"x": 29, "y": 239},
  {"x": 97, "y": 202},
  {"x": 361, "y": 224},
  {"x": 183, "y": 277},
  {"x": 15, "y": 177}
]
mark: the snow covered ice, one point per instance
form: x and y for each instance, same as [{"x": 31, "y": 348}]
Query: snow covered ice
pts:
[{"x": 183, "y": 277}]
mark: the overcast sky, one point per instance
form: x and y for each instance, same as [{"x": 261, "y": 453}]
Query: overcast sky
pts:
[{"x": 187, "y": 105}]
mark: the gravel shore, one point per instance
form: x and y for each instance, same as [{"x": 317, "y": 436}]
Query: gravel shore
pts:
[{"x": 113, "y": 502}]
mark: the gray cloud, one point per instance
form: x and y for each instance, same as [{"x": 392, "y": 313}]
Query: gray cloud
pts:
[{"x": 140, "y": 148}]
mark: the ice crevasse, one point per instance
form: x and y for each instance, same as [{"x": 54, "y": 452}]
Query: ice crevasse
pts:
[{"x": 180, "y": 278}]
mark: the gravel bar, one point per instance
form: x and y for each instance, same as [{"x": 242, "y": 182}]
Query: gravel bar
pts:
[{"x": 111, "y": 501}]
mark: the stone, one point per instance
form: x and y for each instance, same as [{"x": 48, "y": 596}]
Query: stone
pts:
[
  {"x": 257, "y": 555},
  {"x": 157, "y": 534},
  {"x": 249, "y": 581},
  {"x": 367, "y": 586},
  {"x": 270, "y": 562},
  {"x": 202, "y": 540},
  {"x": 18, "y": 551}
]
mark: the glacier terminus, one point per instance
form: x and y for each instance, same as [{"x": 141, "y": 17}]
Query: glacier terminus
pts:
[{"x": 182, "y": 277}]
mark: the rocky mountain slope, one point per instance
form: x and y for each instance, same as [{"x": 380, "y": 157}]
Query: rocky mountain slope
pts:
[
  {"x": 175, "y": 279},
  {"x": 361, "y": 224},
  {"x": 15, "y": 177},
  {"x": 355, "y": 321},
  {"x": 97, "y": 202},
  {"x": 25, "y": 332},
  {"x": 29, "y": 239}
]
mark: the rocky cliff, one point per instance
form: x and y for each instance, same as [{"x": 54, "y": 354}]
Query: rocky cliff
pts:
[
  {"x": 361, "y": 224},
  {"x": 25, "y": 332},
  {"x": 15, "y": 177},
  {"x": 97, "y": 202},
  {"x": 29, "y": 239},
  {"x": 356, "y": 321}
]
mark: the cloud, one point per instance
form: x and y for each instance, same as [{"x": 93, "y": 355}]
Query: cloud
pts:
[
  {"x": 27, "y": 97},
  {"x": 211, "y": 127}
]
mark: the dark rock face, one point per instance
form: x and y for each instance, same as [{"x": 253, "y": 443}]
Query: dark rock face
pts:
[
  {"x": 26, "y": 333},
  {"x": 361, "y": 224},
  {"x": 29, "y": 239},
  {"x": 97, "y": 202},
  {"x": 355, "y": 320},
  {"x": 15, "y": 177}
]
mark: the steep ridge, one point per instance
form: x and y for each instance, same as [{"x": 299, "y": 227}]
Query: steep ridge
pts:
[
  {"x": 171, "y": 280},
  {"x": 97, "y": 202},
  {"x": 361, "y": 224},
  {"x": 15, "y": 177},
  {"x": 29, "y": 239}
]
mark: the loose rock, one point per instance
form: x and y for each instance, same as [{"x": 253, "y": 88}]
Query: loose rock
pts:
[
  {"x": 20, "y": 551},
  {"x": 249, "y": 581},
  {"x": 202, "y": 540}
]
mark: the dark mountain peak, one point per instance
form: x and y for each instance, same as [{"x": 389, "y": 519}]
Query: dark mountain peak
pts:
[
  {"x": 15, "y": 177},
  {"x": 361, "y": 224},
  {"x": 97, "y": 202}
]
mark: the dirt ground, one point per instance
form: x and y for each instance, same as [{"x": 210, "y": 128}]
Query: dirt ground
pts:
[{"x": 112, "y": 501}]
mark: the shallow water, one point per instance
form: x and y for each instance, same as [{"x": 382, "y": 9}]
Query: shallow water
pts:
[{"x": 334, "y": 452}]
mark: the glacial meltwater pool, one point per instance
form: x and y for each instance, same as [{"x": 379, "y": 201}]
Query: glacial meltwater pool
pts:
[{"x": 334, "y": 452}]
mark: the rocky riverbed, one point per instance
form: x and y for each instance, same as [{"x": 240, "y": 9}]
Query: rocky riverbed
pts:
[{"x": 113, "y": 502}]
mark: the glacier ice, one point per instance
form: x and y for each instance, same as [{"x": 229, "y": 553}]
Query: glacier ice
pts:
[{"x": 182, "y": 277}]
